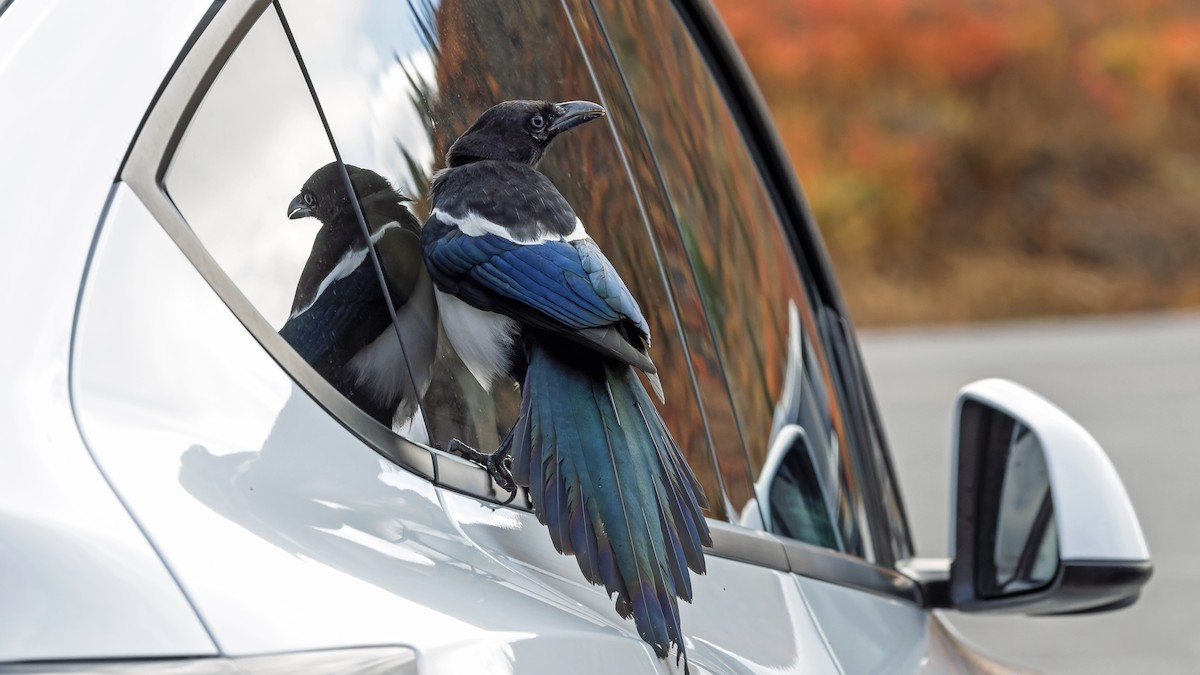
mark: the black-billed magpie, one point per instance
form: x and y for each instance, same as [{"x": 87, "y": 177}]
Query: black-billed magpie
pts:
[
  {"x": 339, "y": 320},
  {"x": 524, "y": 292}
]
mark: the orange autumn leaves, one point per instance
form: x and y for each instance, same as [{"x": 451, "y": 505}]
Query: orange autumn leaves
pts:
[{"x": 972, "y": 159}]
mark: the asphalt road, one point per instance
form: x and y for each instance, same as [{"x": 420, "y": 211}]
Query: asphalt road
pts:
[{"x": 1134, "y": 383}]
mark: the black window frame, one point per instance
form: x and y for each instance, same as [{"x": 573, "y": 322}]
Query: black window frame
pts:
[{"x": 178, "y": 99}]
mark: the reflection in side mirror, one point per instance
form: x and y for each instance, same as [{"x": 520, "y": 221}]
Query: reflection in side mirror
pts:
[
  {"x": 1042, "y": 522},
  {"x": 793, "y": 491},
  {"x": 1019, "y": 524}
]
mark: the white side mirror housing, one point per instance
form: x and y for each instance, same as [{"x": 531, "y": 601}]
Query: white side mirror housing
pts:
[{"x": 1043, "y": 524}]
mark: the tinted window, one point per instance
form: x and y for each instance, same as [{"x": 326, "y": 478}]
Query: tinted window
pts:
[
  {"x": 397, "y": 83},
  {"x": 759, "y": 313},
  {"x": 717, "y": 420}
]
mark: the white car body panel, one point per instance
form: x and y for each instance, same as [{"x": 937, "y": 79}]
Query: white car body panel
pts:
[
  {"x": 869, "y": 633},
  {"x": 1088, "y": 528},
  {"x": 77, "y": 577},
  {"x": 760, "y": 602}
]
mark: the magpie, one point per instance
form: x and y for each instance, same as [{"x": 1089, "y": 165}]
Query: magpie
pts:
[
  {"x": 524, "y": 292},
  {"x": 339, "y": 321}
]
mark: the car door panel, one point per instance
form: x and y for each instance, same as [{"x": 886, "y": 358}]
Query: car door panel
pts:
[
  {"x": 77, "y": 577},
  {"x": 744, "y": 618},
  {"x": 288, "y": 533},
  {"x": 868, "y": 633},
  {"x": 284, "y": 529}
]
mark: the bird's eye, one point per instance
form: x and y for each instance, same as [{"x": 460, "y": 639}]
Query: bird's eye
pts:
[
  {"x": 309, "y": 200},
  {"x": 537, "y": 122}
]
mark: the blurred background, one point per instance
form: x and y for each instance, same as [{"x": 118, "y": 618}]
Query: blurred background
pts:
[
  {"x": 985, "y": 173},
  {"x": 989, "y": 159}
]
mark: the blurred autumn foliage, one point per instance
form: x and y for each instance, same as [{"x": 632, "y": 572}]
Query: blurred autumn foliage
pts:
[{"x": 976, "y": 159}]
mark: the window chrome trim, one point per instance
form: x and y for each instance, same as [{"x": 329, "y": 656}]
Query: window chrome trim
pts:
[{"x": 788, "y": 555}]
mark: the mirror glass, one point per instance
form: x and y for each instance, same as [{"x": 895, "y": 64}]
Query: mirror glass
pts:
[
  {"x": 799, "y": 506},
  {"x": 1020, "y": 553}
]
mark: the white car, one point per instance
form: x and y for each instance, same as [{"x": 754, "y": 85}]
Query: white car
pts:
[{"x": 181, "y": 492}]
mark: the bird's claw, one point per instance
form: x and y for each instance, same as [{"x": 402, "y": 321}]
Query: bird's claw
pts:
[{"x": 498, "y": 464}]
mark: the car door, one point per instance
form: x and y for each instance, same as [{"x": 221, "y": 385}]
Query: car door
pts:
[{"x": 291, "y": 518}]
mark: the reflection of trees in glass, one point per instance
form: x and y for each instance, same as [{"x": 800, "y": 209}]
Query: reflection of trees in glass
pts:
[
  {"x": 744, "y": 272},
  {"x": 743, "y": 260},
  {"x": 421, "y": 93},
  {"x": 485, "y": 53},
  {"x": 736, "y": 475}
]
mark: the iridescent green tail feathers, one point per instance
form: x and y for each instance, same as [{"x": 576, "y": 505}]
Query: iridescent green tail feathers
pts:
[{"x": 610, "y": 484}]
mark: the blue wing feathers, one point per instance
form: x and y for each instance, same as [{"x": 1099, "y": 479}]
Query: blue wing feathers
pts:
[
  {"x": 608, "y": 284},
  {"x": 542, "y": 277},
  {"x": 341, "y": 309},
  {"x": 542, "y": 289}
]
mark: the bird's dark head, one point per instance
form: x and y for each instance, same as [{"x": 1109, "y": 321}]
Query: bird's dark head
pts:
[
  {"x": 519, "y": 131},
  {"x": 324, "y": 193}
]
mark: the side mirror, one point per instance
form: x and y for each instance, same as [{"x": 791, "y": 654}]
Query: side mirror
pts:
[{"x": 1042, "y": 521}]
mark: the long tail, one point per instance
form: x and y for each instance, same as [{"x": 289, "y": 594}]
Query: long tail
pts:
[{"x": 611, "y": 485}]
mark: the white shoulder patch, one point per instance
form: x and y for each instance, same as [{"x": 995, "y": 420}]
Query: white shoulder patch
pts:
[
  {"x": 349, "y": 262},
  {"x": 577, "y": 233},
  {"x": 475, "y": 225},
  {"x": 390, "y": 225}
]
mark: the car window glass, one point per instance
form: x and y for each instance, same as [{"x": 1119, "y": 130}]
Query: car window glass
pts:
[
  {"x": 409, "y": 81},
  {"x": 250, "y": 146},
  {"x": 717, "y": 416},
  {"x": 758, "y": 309},
  {"x": 243, "y": 178},
  {"x": 398, "y": 83}
]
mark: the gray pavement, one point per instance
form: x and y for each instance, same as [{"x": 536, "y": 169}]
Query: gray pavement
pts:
[{"x": 1134, "y": 383}]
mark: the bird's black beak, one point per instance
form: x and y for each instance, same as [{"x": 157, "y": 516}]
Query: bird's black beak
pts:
[
  {"x": 571, "y": 114},
  {"x": 298, "y": 209}
]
